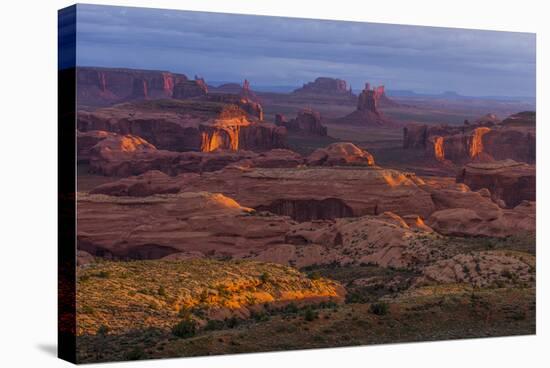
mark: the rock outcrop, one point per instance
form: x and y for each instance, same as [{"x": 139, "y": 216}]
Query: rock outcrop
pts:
[
  {"x": 461, "y": 212},
  {"x": 325, "y": 86},
  {"x": 125, "y": 155},
  {"x": 186, "y": 125},
  {"x": 107, "y": 86},
  {"x": 509, "y": 181},
  {"x": 190, "y": 89},
  {"x": 318, "y": 192},
  {"x": 367, "y": 112},
  {"x": 86, "y": 140},
  {"x": 307, "y": 122},
  {"x": 340, "y": 154},
  {"x": 486, "y": 140}
]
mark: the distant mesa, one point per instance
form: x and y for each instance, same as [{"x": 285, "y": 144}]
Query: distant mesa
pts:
[
  {"x": 306, "y": 122},
  {"x": 107, "y": 86},
  {"x": 367, "y": 112},
  {"x": 325, "y": 86},
  {"x": 243, "y": 90}
]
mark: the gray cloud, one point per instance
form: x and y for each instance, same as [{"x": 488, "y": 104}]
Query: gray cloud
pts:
[{"x": 290, "y": 51}]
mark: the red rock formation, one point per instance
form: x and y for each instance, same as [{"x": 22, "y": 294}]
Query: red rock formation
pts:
[
  {"x": 462, "y": 212},
  {"x": 325, "y": 86},
  {"x": 190, "y": 89},
  {"x": 340, "y": 154},
  {"x": 250, "y": 107},
  {"x": 86, "y": 140},
  {"x": 509, "y": 181},
  {"x": 486, "y": 140},
  {"x": 307, "y": 122},
  {"x": 383, "y": 99},
  {"x": 116, "y": 155},
  {"x": 186, "y": 125},
  {"x": 367, "y": 113},
  {"x": 106, "y": 86}
]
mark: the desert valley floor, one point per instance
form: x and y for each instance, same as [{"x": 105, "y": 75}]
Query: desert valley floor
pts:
[{"x": 219, "y": 219}]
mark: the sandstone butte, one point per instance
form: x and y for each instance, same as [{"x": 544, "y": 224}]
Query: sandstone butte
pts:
[
  {"x": 485, "y": 140},
  {"x": 325, "y": 86},
  {"x": 186, "y": 125},
  {"x": 197, "y": 289},
  {"x": 367, "y": 112}
]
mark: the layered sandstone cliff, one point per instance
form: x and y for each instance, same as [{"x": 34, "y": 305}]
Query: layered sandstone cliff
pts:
[
  {"x": 186, "y": 125},
  {"x": 106, "y": 86},
  {"x": 486, "y": 140},
  {"x": 508, "y": 180}
]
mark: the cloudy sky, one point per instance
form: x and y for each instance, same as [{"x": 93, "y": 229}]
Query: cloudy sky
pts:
[{"x": 274, "y": 51}]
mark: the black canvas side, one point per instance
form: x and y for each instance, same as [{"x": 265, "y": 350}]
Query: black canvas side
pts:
[{"x": 66, "y": 131}]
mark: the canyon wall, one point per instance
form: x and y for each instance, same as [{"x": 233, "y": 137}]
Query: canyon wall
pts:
[
  {"x": 106, "y": 86},
  {"x": 486, "y": 140}
]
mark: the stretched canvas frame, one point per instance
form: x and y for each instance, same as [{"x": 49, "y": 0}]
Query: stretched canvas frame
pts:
[{"x": 265, "y": 204}]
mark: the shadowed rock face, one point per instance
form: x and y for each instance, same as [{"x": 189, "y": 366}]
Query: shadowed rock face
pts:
[
  {"x": 307, "y": 122},
  {"x": 106, "y": 86},
  {"x": 325, "y": 86},
  {"x": 509, "y": 181},
  {"x": 306, "y": 210},
  {"x": 486, "y": 140}
]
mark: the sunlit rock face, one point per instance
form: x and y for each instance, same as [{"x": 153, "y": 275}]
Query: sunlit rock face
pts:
[
  {"x": 188, "y": 125},
  {"x": 106, "y": 86},
  {"x": 485, "y": 140},
  {"x": 458, "y": 147}
]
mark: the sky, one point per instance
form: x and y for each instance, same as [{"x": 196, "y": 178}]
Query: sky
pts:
[{"x": 277, "y": 51}]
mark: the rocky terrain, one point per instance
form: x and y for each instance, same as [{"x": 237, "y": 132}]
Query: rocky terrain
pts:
[
  {"x": 484, "y": 140},
  {"x": 186, "y": 125},
  {"x": 221, "y": 219}
]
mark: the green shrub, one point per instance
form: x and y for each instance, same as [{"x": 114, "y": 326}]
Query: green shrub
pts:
[
  {"x": 380, "y": 309},
  {"x": 264, "y": 278},
  {"x": 185, "y": 328},
  {"x": 315, "y": 275},
  {"x": 310, "y": 314},
  {"x": 103, "y": 330},
  {"x": 214, "y": 324},
  {"x": 136, "y": 353},
  {"x": 161, "y": 291}
]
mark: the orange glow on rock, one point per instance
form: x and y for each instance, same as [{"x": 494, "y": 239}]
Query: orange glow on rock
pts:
[
  {"x": 476, "y": 145},
  {"x": 439, "y": 151}
]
